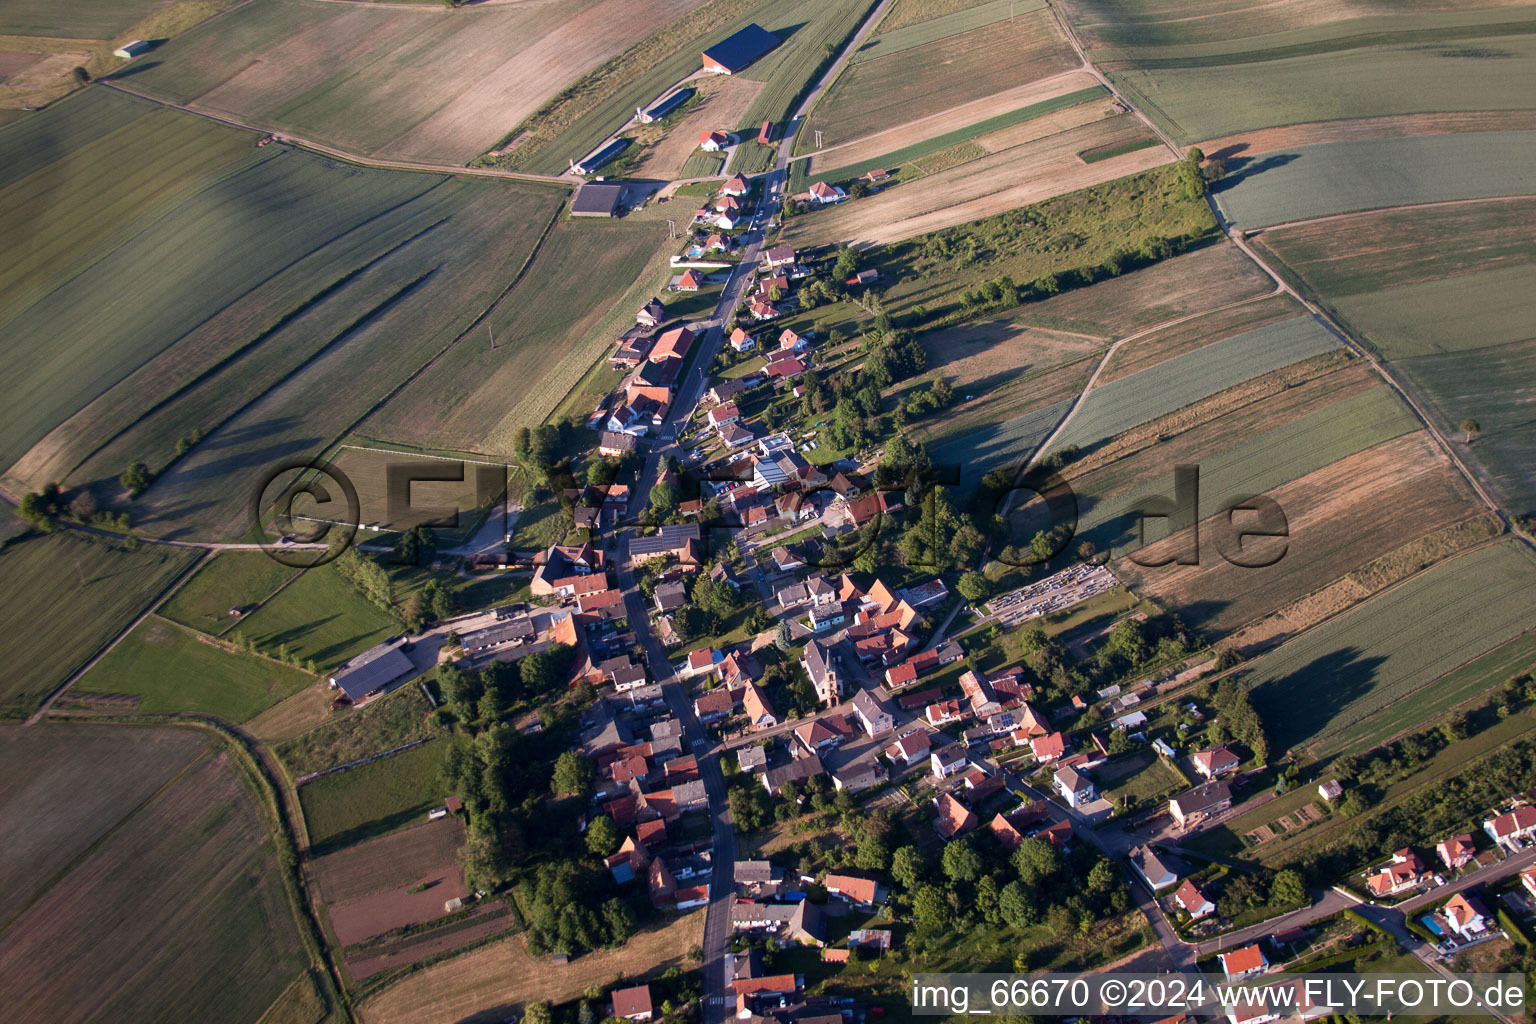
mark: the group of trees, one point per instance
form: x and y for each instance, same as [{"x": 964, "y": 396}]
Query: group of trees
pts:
[
  {"x": 42, "y": 509},
  {"x": 480, "y": 699},
  {"x": 1238, "y": 717},
  {"x": 1276, "y": 890},
  {"x": 564, "y": 915}
]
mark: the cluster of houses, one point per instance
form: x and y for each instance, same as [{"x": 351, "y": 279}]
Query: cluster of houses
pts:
[{"x": 769, "y": 903}]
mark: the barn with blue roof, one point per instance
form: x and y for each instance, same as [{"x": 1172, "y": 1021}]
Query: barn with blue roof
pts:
[{"x": 737, "y": 51}]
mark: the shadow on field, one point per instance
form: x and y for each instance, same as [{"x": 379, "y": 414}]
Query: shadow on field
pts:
[
  {"x": 133, "y": 69},
  {"x": 1242, "y": 168},
  {"x": 1297, "y": 706}
]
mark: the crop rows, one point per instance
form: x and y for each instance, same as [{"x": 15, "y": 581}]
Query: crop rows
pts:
[
  {"x": 942, "y": 27},
  {"x": 1335, "y": 675}
]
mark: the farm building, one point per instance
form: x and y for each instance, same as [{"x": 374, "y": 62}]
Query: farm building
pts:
[
  {"x": 765, "y": 133},
  {"x": 370, "y": 671},
  {"x": 597, "y": 200},
  {"x": 713, "y": 142},
  {"x": 735, "y": 185},
  {"x": 595, "y": 160},
  {"x": 664, "y": 106},
  {"x": 736, "y": 52},
  {"x": 130, "y": 50}
]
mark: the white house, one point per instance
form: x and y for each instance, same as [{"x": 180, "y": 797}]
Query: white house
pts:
[
  {"x": 1514, "y": 829},
  {"x": 1075, "y": 787}
]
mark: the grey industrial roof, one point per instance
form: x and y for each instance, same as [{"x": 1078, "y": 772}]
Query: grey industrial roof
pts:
[{"x": 371, "y": 670}]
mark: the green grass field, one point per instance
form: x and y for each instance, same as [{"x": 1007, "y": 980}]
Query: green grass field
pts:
[
  {"x": 908, "y": 36},
  {"x": 1337, "y": 177},
  {"x": 66, "y": 598},
  {"x": 878, "y": 94},
  {"x": 1464, "y": 684},
  {"x": 174, "y": 670},
  {"x": 1094, "y": 155},
  {"x": 318, "y": 616},
  {"x": 178, "y": 914},
  {"x": 234, "y": 579},
  {"x": 352, "y": 733},
  {"x": 1207, "y": 95},
  {"x": 374, "y": 798},
  {"x": 897, "y": 159},
  {"x": 1391, "y": 648},
  {"x": 271, "y": 350},
  {"x": 1174, "y": 383}
]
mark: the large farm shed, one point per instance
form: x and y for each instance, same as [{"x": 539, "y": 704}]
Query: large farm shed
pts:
[
  {"x": 597, "y": 200},
  {"x": 664, "y": 107},
  {"x": 372, "y": 670},
  {"x": 736, "y": 52},
  {"x": 602, "y": 156}
]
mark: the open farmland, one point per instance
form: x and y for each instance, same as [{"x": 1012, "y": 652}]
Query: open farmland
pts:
[
  {"x": 545, "y": 338},
  {"x": 1260, "y": 460},
  {"x": 109, "y": 771},
  {"x": 1338, "y": 517},
  {"x": 505, "y": 977},
  {"x": 1438, "y": 293},
  {"x": 909, "y": 12},
  {"x": 430, "y": 501},
  {"x": 980, "y": 188},
  {"x": 66, "y": 599},
  {"x": 230, "y": 580},
  {"x": 1463, "y": 684},
  {"x": 190, "y": 329},
  {"x": 1169, "y": 385},
  {"x": 1337, "y": 177},
  {"x": 174, "y": 670},
  {"x": 1392, "y": 647},
  {"x": 879, "y": 94},
  {"x": 179, "y": 914},
  {"x": 1198, "y": 331},
  {"x": 402, "y": 82},
  {"x": 925, "y": 136},
  {"x": 811, "y": 27},
  {"x": 374, "y": 798},
  {"x": 1149, "y": 23},
  {"x": 364, "y": 886},
  {"x": 895, "y": 40},
  {"x": 1210, "y": 93},
  {"x": 319, "y": 616},
  {"x": 85, "y": 19},
  {"x": 722, "y": 101}
]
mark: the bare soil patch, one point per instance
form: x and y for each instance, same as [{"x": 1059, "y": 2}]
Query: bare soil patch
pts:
[
  {"x": 489, "y": 983},
  {"x": 1047, "y": 125},
  {"x": 1004, "y": 396},
  {"x": 483, "y": 922},
  {"x": 365, "y": 886},
  {"x": 1340, "y": 517},
  {"x": 980, "y": 188},
  {"x": 919, "y": 129},
  {"x": 293, "y": 716},
  {"x": 722, "y": 103},
  {"x": 1393, "y": 126}
]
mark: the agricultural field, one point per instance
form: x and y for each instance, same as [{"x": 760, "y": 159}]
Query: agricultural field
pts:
[
  {"x": 1164, "y": 387},
  {"x": 66, "y": 599},
  {"x": 179, "y": 913},
  {"x": 109, "y": 772},
  {"x": 1437, "y": 294},
  {"x": 399, "y": 717},
  {"x": 1059, "y": 111},
  {"x": 811, "y": 27},
  {"x": 397, "y": 82},
  {"x": 474, "y": 397},
  {"x": 230, "y": 580},
  {"x": 881, "y": 93},
  {"x": 319, "y": 617},
  {"x": 1250, "y": 441},
  {"x": 504, "y": 975},
  {"x": 909, "y": 12},
  {"x": 268, "y": 354},
  {"x": 1392, "y": 647},
  {"x": 1339, "y": 177},
  {"x": 720, "y": 103},
  {"x": 1208, "y": 96},
  {"x": 1338, "y": 517},
  {"x": 429, "y": 501},
  {"x": 983, "y": 187},
  {"x": 364, "y": 886},
  {"x": 905, "y": 37},
  {"x": 173, "y": 669},
  {"x": 374, "y": 798}
]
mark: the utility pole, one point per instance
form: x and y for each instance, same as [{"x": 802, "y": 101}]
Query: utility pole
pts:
[
  {"x": 490, "y": 334},
  {"x": 818, "y": 138},
  {"x": 672, "y": 228}
]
